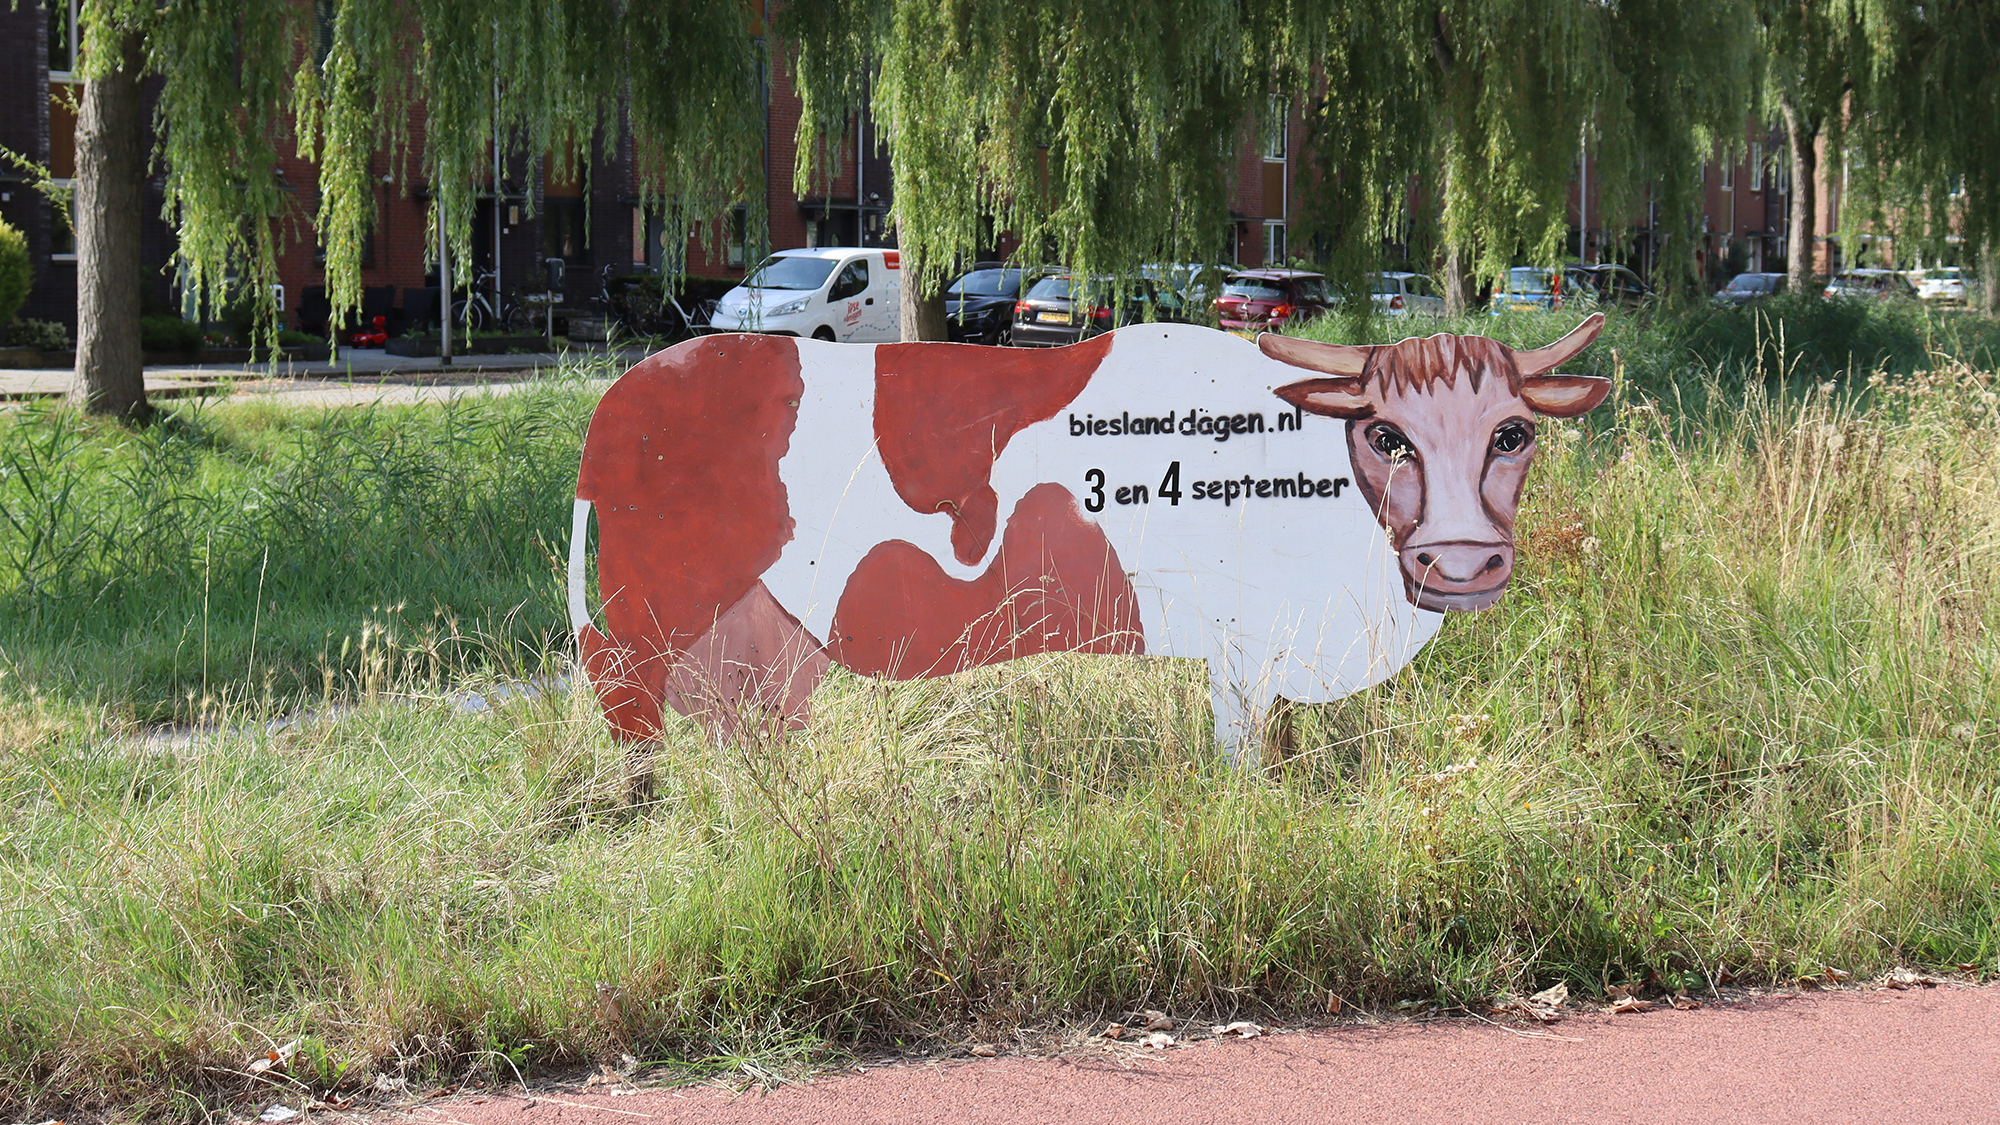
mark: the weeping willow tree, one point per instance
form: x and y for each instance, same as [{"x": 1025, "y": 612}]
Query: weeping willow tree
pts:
[
  {"x": 1099, "y": 143},
  {"x": 1812, "y": 51},
  {"x": 341, "y": 79},
  {"x": 1103, "y": 144},
  {"x": 1486, "y": 108},
  {"x": 1926, "y": 131}
]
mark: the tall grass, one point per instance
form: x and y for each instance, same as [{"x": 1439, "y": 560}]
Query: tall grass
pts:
[
  {"x": 1737, "y": 716},
  {"x": 268, "y": 552}
]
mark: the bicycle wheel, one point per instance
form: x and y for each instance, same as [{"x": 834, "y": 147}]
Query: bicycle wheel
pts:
[{"x": 470, "y": 314}]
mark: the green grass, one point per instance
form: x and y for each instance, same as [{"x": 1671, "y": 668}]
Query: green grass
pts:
[{"x": 1738, "y": 710}]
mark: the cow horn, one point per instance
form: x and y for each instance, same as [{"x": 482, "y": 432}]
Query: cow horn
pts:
[
  {"x": 1539, "y": 361},
  {"x": 1333, "y": 359}
]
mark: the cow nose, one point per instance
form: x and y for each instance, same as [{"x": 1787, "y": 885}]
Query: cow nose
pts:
[{"x": 1458, "y": 575}]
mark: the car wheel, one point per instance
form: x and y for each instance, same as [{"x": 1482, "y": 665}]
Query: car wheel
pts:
[
  {"x": 823, "y": 333},
  {"x": 1003, "y": 336}
]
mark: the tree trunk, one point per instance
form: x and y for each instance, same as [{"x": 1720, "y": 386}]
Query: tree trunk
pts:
[
  {"x": 922, "y": 313},
  {"x": 110, "y": 192},
  {"x": 1989, "y": 279},
  {"x": 1803, "y": 137},
  {"x": 1458, "y": 294}
]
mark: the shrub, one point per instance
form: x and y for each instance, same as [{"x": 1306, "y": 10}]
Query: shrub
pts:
[
  {"x": 168, "y": 334},
  {"x": 48, "y": 335},
  {"x": 15, "y": 274},
  {"x": 293, "y": 338}
]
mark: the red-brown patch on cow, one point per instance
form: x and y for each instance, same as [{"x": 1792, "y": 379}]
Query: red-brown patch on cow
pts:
[
  {"x": 944, "y": 413},
  {"x": 757, "y": 665},
  {"x": 628, "y": 684},
  {"x": 681, "y": 468},
  {"x": 1056, "y": 586}
]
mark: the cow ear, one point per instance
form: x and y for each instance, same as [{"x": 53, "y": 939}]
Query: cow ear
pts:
[
  {"x": 1345, "y": 397},
  {"x": 1564, "y": 396}
]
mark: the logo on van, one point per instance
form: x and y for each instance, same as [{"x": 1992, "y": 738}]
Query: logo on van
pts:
[{"x": 853, "y": 316}]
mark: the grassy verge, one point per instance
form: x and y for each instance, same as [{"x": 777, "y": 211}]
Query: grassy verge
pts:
[{"x": 1737, "y": 714}]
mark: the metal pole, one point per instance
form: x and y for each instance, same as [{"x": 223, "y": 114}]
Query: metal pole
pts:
[
  {"x": 444, "y": 281},
  {"x": 497, "y": 201},
  {"x": 1583, "y": 199}
]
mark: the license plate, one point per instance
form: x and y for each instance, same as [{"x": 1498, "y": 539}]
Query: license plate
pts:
[{"x": 1052, "y": 316}]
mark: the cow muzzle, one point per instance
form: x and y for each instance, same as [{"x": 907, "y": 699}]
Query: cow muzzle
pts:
[{"x": 1456, "y": 575}]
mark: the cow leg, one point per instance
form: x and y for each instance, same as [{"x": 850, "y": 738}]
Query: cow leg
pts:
[
  {"x": 1233, "y": 720},
  {"x": 1280, "y": 735},
  {"x": 753, "y": 672}
]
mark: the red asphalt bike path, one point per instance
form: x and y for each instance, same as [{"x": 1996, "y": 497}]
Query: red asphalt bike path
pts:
[{"x": 1873, "y": 1056}]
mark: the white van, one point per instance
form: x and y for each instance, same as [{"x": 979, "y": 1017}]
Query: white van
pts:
[{"x": 844, "y": 293}]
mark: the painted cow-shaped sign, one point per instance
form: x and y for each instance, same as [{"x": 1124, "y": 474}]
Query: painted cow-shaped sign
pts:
[{"x": 766, "y": 506}]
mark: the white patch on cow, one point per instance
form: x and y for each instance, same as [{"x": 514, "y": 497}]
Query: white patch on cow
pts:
[
  {"x": 839, "y": 493},
  {"x": 1282, "y": 596}
]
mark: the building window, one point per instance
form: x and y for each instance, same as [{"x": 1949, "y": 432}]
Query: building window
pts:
[
  {"x": 1277, "y": 129},
  {"x": 1274, "y": 244},
  {"x": 739, "y": 237},
  {"x": 62, "y": 235},
  {"x": 63, "y": 41},
  {"x": 322, "y": 31},
  {"x": 1728, "y": 175},
  {"x": 563, "y": 234},
  {"x": 1756, "y": 167}
]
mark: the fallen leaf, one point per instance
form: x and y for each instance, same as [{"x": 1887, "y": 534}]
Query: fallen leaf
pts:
[
  {"x": 1631, "y": 1004},
  {"x": 1906, "y": 978},
  {"x": 1242, "y": 1029},
  {"x": 276, "y": 1112},
  {"x": 1835, "y": 976},
  {"x": 1332, "y": 1003},
  {"x": 384, "y": 1084},
  {"x": 1158, "y": 1040},
  {"x": 1685, "y": 1003},
  {"x": 1114, "y": 1031},
  {"x": 1809, "y": 984},
  {"x": 1159, "y": 1021},
  {"x": 1617, "y": 992},
  {"x": 1723, "y": 975},
  {"x": 985, "y": 1050},
  {"x": 1550, "y": 997}
]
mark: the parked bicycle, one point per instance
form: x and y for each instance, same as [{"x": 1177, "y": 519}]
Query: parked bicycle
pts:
[
  {"x": 518, "y": 312},
  {"x": 630, "y": 304}
]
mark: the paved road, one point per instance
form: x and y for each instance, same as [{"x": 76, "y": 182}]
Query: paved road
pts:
[
  {"x": 1877, "y": 1057},
  {"x": 361, "y": 375}
]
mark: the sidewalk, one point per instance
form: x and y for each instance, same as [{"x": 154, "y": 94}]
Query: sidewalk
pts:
[
  {"x": 359, "y": 375},
  {"x": 1860, "y": 1057}
]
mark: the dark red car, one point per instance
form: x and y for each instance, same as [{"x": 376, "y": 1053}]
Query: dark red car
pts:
[{"x": 1270, "y": 300}]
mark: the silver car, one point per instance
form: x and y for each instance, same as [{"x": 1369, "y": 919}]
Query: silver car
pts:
[{"x": 1405, "y": 294}]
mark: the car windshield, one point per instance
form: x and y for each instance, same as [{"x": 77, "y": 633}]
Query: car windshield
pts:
[
  {"x": 1051, "y": 289},
  {"x": 1950, "y": 274},
  {"x": 1527, "y": 281},
  {"x": 1751, "y": 283},
  {"x": 985, "y": 283},
  {"x": 1386, "y": 284},
  {"x": 1251, "y": 289},
  {"x": 786, "y": 272}
]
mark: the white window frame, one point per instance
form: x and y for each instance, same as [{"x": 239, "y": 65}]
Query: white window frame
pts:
[
  {"x": 68, "y": 74},
  {"x": 1274, "y": 243},
  {"x": 1728, "y": 175},
  {"x": 1757, "y": 166}
]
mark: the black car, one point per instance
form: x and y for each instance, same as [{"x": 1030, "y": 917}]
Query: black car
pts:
[
  {"x": 979, "y": 307},
  {"x": 1060, "y": 309}
]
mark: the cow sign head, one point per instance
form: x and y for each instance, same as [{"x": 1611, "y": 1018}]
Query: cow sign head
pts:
[{"x": 1441, "y": 431}]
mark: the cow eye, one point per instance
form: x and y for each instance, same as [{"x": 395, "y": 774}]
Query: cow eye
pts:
[
  {"x": 1391, "y": 444},
  {"x": 1512, "y": 437}
]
